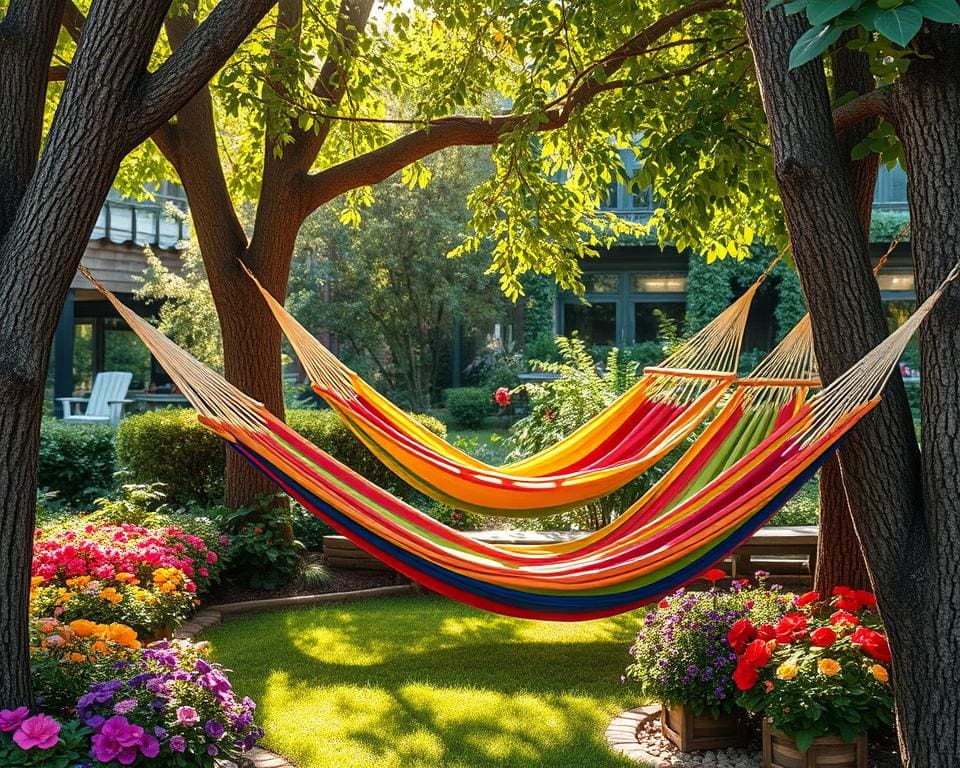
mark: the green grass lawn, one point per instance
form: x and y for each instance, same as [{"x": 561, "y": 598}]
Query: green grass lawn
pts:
[{"x": 423, "y": 682}]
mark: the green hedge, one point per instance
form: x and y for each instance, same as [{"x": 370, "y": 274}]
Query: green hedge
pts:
[
  {"x": 172, "y": 448},
  {"x": 76, "y": 460},
  {"x": 469, "y": 406}
]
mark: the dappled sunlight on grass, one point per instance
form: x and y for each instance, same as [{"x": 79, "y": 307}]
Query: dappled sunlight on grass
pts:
[{"x": 428, "y": 683}]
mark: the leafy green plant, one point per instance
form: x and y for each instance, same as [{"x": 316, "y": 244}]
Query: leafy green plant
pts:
[
  {"x": 262, "y": 555},
  {"x": 469, "y": 406},
  {"x": 76, "y": 460}
]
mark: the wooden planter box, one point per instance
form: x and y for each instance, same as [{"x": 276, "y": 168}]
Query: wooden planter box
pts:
[
  {"x": 780, "y": 751},
  {"x": 689, "y": 732}
]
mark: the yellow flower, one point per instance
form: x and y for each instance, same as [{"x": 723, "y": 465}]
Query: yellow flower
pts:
[
  {"x": 787, "y": 671},
  {"x": 36, "y": 581},
  {"x": 879, "y": 673},
  {"x": 828, "y": 667}
]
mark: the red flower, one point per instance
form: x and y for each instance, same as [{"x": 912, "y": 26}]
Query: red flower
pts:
[
  {"x": 758, "y": 653},
  {"x": 872, "y": 642},
  {"x": 740, "y": 634},
  {"x": 823, "y": 637},
  {"x": 766, "y": 632},
  {"x": 548, "y": 414},
  {"x": 853, "y": 599},
  {"x": 791, "y": 627},
  {"x": 806, "y": 598},
  {"x": 868, "y": 599},
  {"x": 843, "y": 617},
  {"x": 745, "y": 676},
  {"x": 502, "y": 397},
  {"x": 714, "y": 574},
  {"x": 663, "y": 603}
]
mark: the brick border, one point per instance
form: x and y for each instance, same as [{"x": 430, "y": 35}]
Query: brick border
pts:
[
  {"x": 621, "y": 735},
  {"x": 211, "y": 617}
]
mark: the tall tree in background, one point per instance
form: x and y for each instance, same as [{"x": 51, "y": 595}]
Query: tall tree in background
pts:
[
  {"x": 113, "y": 98},
  {"x": 388, "y": 290},
  {"x": 318, "y": 122}
]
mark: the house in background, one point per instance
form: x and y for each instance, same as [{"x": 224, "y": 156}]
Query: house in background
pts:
[
  {"x": 91, "y": 337},
  {"x": 628, "y": 283}
]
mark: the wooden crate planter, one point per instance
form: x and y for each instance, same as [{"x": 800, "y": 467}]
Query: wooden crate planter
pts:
[
  {"x": 689, "y": 732},
  {"x": 780, "y": 751}
]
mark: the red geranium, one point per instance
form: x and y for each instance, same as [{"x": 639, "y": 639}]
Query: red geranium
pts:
[
  {"x": 714, "y": 574},
  {"x": 823, "y": 637},
  {"x": 806, "y": 598},
  {"x": 872, "y": 642},
  {"x": 502, "y": 397},
  {"x": 740, "y": 634},
  {"x": 791, "y": 627},
  {"x": 843, "y": 617}
]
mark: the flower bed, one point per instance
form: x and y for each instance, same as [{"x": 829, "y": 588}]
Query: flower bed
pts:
[
  {"x": 162, "y": 705},
  {"x": 146, "y": 578}
]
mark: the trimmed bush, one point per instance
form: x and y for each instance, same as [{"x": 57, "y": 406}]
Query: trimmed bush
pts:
[
  {"x": 469, "y": 406},
  {"x": 76, "y": 460},
  {"x": 173, "y": 448}
]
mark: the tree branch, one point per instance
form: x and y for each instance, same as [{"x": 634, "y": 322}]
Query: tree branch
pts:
[
  {"x": 873, "y": 104},
  {"x": 73, "y": 20},
  {"x": 192, "y": 65},
  {"x": 379, "y": 164}
]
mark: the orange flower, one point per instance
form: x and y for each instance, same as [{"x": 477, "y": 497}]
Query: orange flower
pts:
[
  {"x": 879, "y": 673},
  {"x": 124, "y": 635},
  {"x": 828, "y": 667},
  {"x": 77, "y": 658},
  {"x": 126, "y": 578},
  {"x": 83, "y": 628},
  {"x": 111, "y": 595},
  {"x": 101, "y": 647}
]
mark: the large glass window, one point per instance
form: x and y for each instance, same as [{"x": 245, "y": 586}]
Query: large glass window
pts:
[
  {"x": 595, "y": 323},
  {"x": 657, "y": 282},
  {"x": 610, "y": 199},
  {"x": 895, "y": 280},
  {"x": 648, "y": 315},
  {"x": 601, "y": 282}
]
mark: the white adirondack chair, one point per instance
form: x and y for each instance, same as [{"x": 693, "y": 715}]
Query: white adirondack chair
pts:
[{"x": 106, "y": 402}]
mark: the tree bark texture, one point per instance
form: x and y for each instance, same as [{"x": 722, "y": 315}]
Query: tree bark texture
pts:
[
  {"x": 48, "y": 221},
  {"x": 926, "y": 107},
  {"x": 839, "y": 556},
  {"x": 909, "y": 533}
]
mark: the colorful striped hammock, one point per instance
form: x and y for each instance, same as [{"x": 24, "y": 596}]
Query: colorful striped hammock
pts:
[
  {"x": 651, "y": 549},
  {"x": 632, "y": 434}
]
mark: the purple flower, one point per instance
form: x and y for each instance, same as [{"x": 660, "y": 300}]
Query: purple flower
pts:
[
  {"x": 95, "y": 721},
  {"x": 212, "y": 750},
  {"x": 125, "y": 706},
  {"x": 215, "y": 729},
  {"x": 187, "y": 716},
  {"x": 40, "y": 731},
  {"x": 160, "y": 733},
  {"x": 118, "y": 740},
  {"x": 10, "y": 719},
  {"x": 149, "y": 746},
  {"x": 177, "y": 744}
]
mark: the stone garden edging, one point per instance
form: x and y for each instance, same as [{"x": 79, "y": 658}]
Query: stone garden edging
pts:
[{"x": 208, "y": 618}]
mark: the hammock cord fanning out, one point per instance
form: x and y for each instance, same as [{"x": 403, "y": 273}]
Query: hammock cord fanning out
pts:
[
  {"x": 616, "y": 570},
  {"x": 628, "y": 437}
]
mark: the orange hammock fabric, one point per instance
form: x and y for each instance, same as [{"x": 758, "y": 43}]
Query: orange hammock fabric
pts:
[{"x": 650, "y": 550}]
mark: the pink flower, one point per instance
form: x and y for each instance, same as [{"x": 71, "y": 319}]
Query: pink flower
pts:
[
  {"x": 211, "y": 557},
  {"x": 502, "y": 397},
  {"x": 187, "y": 716},
  {"x": 117, "y": 740},
  {"x": 203, "y": 572},
  {"x": 10, "y": 719},
  {"x": 40, "y": 731}
]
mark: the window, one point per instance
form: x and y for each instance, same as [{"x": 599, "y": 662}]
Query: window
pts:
[
  {"x": 891, "y": 187},
  {"x": 647, "y": 316},
  {"x": 896, "y": 280},
  {"x": 641, "y": 198},
  {"x": 595, "y": 323},
  {"x": 611, "y": 199},
  {"x": 657, "y": 282},
  {"x": 601, "y": 282}
]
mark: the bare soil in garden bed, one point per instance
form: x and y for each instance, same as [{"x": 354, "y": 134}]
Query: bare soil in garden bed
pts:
[{"x": 341, "y": 581}]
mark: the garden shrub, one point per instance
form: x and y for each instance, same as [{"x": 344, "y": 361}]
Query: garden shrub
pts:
[
  {"x": 76, "y": 460},
  {"x": 802, "y": 509},
  {"x": 469, "y": 406},
  {"x": 171, "y": 447}
]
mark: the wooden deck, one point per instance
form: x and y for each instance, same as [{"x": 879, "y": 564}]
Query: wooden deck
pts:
[{"x": 787, "y": 553}]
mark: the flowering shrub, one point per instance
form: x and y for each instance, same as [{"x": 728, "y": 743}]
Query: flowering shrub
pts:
[
  {"x": 67, "y": 659},
  {"x": 683, "y": 655},
  {"x": 164, "y": 705},
  {"x": 820, "y": 670},
  {"x": 146, "y": 578}
]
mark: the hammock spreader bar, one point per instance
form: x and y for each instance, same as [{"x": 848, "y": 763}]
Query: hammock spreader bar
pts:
[{"x": 624, "y": 568}]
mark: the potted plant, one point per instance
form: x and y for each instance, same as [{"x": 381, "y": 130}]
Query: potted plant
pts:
[
  {"x": 819, "y": 676},
  {"x": 683, "y": 659}
]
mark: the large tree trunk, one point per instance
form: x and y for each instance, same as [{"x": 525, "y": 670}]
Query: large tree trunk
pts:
[
  {"x": 839, "y": 556},
  {"x": 926, "y": 106},
  {"x": 911, "y": 538}
]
